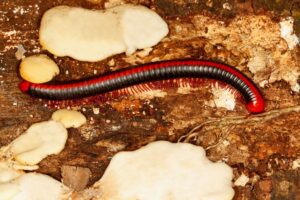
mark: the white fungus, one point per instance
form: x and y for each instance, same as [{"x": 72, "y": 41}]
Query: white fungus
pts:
[
  {"x": 20, "y": 52},
  {"x": 69, "y": 118},
  {"x": 38, "y": 69},
  {"x": 93, "y": 35},
  {"x": 162, "y": 170},
  {"x": 39, "y": 141},
  {"x": 242, "y": 180},
  {"x": 7, "y": 172},
  {"x": 287, "y": 32},
  {"x": 8, "y": 191},
  {"x": 34, "y": 186},
  {"x": 296, "y": 164},
  {"x": 96, "y": 111}
]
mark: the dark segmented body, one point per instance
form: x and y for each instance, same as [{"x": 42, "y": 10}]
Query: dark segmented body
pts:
[{"x": 151, "y": 72}]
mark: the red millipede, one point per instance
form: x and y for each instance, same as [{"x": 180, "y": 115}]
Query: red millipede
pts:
[{"x": 151, "y": 72}]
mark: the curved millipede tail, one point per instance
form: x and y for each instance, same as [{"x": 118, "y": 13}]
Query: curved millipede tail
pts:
[{"x": 151, "y": 72}]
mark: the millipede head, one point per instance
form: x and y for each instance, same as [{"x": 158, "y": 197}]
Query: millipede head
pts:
[
  {"x": 255, "y": 107},
  {"x": 24, "y": 86}
]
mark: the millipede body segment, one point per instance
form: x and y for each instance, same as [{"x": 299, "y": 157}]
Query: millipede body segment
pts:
[{"x": 151, "y": 72}]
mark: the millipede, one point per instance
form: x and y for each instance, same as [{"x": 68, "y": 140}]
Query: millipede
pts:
[{"x": 156, "y": 71}]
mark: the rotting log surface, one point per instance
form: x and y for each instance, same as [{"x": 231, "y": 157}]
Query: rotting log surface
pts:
[{"x": 263, "y": 150}]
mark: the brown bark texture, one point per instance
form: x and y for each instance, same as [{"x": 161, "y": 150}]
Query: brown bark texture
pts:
[{"x": 264, "y": 147}]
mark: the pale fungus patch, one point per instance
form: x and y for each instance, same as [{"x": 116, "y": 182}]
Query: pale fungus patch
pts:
[
  {"x": 93, "y": 35},
  {"x": 69, "y": 118},
  {"x": 7, "y": 172},
  {"x": 39, "y": 141},
  {"x": 162, "y": 170},
  {"x": 20, "y": 52},
  {"x": 24, "y": 153},
  {"x": 38, "y": 69},
  {"x": 31, "y": 186},
  {"x": 141, "y": 27},
  {"x": 242, "y": 180},
  {"x": 8, "y": 191},
  {"x": 287, "y": 32}
]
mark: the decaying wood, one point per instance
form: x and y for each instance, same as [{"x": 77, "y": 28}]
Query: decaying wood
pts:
[
  {"x": 263, "y": 147},
  {"x": 236, "y": 120},
  {"x": 75, "y": 177}
]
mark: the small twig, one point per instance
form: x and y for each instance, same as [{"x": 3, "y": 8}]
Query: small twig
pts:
[
  {"x": 222, "y": 138},
  {"x": 259, "y": 118}
]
